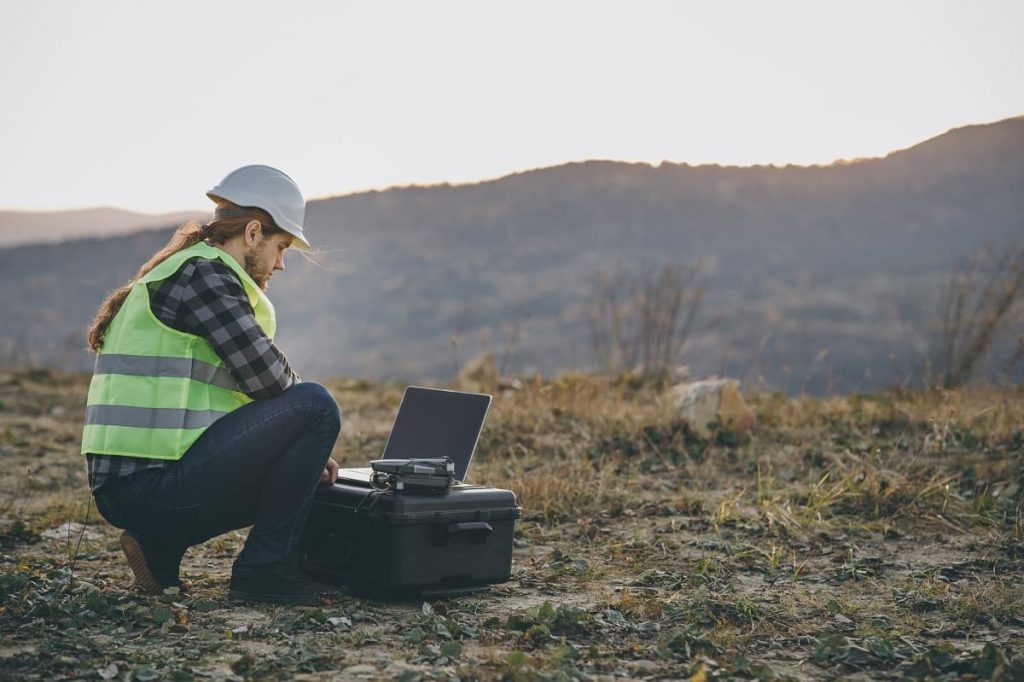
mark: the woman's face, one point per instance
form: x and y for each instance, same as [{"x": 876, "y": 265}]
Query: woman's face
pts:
[{"x": 266, "y": 257}]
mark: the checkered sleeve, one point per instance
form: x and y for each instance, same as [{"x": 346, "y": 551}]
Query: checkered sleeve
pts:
[{"x": 213, "y": 304}]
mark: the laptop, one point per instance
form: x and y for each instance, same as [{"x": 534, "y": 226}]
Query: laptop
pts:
[{"x": 431, "y": 423}]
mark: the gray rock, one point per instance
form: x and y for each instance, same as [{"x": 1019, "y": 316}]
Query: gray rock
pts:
[{"x": 714, "y": 400}]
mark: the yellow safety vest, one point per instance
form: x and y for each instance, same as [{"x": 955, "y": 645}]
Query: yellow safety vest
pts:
[{"x": 155, "y": 389}]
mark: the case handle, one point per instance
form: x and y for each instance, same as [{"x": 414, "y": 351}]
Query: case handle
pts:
[{"x": 477, "y": 530}]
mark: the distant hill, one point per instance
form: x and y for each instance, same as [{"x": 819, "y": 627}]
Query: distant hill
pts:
[
  {"x": 29, "y": 227},
  {"x": 820, "y": 277}
]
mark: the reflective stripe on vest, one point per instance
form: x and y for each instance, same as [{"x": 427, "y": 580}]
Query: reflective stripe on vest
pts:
[
  {"x": 150, "y": 417},
  {"x": 147, "y": 366},
  {"x": 156, "y": 389}
]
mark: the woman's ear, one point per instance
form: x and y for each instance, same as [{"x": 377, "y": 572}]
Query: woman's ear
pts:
[{"x": 253, "y": 232}]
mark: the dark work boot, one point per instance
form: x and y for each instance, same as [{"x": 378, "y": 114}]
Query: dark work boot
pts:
[
  {"x": 277, "y": 584},
  {"x": 155, "y": 567}
]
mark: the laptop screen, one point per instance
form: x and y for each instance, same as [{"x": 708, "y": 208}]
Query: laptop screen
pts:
[{"x": 433, "y": 422}]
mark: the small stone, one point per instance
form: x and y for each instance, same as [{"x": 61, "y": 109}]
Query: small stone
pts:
[
  {"x": 397, "y": 668},
  {"x": 109, "y": 672},
  {"x": 645, "y": 667},
  {"x": 340, "y": 621},
  {"x": 511, "y": 384},
  {"x": 360, "y": 670}
]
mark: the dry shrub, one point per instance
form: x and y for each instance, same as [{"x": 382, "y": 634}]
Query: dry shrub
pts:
[
  {"x": 977, "y": 307},
  {"x": 643, "y": 320}
]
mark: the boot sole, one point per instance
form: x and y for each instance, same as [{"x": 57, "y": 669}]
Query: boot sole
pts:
[{"x": 144, "y": 577}]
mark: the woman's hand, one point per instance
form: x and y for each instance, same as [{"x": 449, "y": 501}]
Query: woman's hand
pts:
[{"x": 330, "y": 474}]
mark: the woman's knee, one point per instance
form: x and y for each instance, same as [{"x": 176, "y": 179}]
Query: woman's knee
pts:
[{"x": 317, "y": 397}]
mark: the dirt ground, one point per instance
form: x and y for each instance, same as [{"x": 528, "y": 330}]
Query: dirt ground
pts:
[{"x": 862, "y": 537}]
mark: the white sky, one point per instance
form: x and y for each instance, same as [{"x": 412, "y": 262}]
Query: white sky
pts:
[{"x": 145, "y": 105}]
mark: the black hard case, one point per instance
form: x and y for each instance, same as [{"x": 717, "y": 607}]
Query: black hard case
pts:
[{"x": 409, "y": 543}]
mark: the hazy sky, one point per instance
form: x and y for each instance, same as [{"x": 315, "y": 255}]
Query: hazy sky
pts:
[{"x": 145, "y": 105}]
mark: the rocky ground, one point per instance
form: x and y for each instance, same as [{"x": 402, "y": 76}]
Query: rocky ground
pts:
[{"x": 864, "y": 537}]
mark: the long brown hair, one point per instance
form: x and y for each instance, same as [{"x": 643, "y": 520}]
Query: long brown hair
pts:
[{"x": 218, "y": 231}]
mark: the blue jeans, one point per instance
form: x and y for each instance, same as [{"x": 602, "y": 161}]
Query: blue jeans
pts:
[{"x": 258, "y": 466}]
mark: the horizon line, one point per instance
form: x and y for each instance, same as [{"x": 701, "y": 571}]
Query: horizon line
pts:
[{"x": 453, "y": 184}]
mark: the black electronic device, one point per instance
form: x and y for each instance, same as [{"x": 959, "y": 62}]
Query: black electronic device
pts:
[{"x": 429, "y": 476}]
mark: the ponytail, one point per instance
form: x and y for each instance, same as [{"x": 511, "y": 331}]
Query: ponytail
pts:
[{"x": 184, "y": 237}]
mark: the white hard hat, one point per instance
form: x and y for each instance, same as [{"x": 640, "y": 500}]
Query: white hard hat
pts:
[{"x": 269, "y": 189}]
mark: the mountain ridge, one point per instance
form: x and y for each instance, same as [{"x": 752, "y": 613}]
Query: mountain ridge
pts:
[
  {"x": 840, "y": 163},
  {"x": 798, "y": 261},
  {"x": 26, "y": 227},
  {"x": 117, "y": 220}
]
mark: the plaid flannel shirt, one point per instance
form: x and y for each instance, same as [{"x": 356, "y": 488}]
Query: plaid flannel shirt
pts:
[{"x": 206, "y": 299}]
